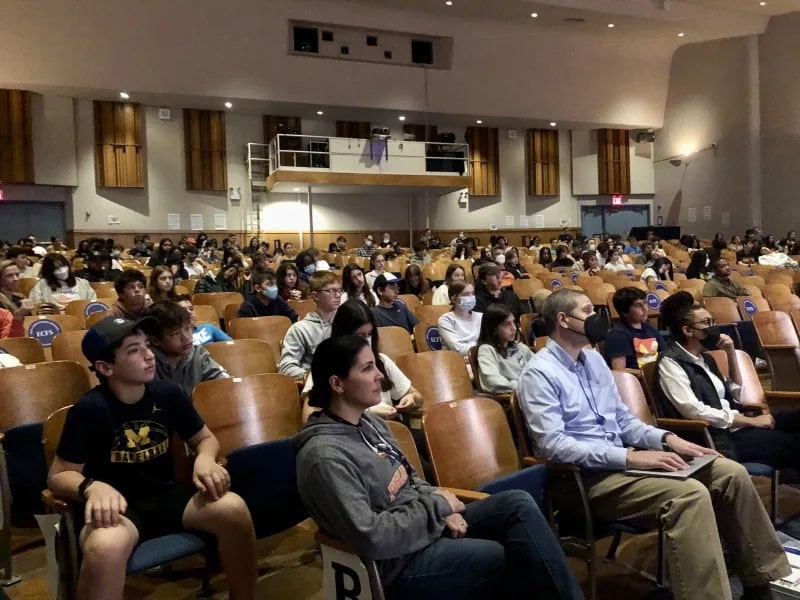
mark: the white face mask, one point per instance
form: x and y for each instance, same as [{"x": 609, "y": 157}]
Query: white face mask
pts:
[
  {"x": 500, "y": 259},
  {"x": 62, "y": 273}
]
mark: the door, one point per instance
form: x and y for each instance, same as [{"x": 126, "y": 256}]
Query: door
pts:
[
  {"x": 592, "y": 220},
  {"x": 42, "y": 219},
  {"x": 613, "y": 219}
]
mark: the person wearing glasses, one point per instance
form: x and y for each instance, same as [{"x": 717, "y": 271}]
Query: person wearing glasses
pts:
[
  {"x": 302, "y": 338},
  {"x": 688, "y": 384},
  {"x": 368, "y": 249}
]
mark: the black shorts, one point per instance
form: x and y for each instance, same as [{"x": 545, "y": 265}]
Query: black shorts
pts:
[{"x": 161, "y": 512}]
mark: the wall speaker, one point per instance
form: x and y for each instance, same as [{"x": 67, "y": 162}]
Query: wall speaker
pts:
[
  {"x": 306, "y": 39},
  {"x": 422, "y": 52}
]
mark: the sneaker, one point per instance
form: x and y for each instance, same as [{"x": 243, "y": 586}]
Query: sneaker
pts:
[{"x": 761, "y": 364}]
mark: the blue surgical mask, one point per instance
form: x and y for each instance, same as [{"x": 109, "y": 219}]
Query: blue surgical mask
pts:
[
  {"x": 270, "y": 292},
  {"x": 468, "y": 302},
  {"x": 310, "y": 269}
]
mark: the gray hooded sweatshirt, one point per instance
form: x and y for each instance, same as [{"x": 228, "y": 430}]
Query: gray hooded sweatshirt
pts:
[
  {"x": 195, "y": 368},
  {"x": 299, "y": 344},
  {"x": 366, "y": 499}
]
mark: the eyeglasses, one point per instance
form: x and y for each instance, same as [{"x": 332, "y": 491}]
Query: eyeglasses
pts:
[
  {"x": 335, "y": 292},
  {"x": 707, "y": 321}
]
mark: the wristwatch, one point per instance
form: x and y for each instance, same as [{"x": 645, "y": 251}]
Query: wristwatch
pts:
[
  {"x": 664, "y": 444},
  {"x": 87, "y": 481}
]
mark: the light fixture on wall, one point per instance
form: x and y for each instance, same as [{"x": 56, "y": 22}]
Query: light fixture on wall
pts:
[
  {"x": 682, "y": 159},
  {"x": 124, "y": 95},
  {"x": 229, "y": 105}
]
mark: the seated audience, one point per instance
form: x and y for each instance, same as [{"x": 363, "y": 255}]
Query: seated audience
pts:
[
  {"x": 11, "y": 299},
  {"x": 489, "y": 291},
  {"x": 698, "y": 266},
  {"x": 453, "y": 273},
  {"x": 688, "y": 384},
  {"x": 140, "y": 249},
  {"x": 228, "y": 279},
  {"x": 513, "y": 265},
  {"x": 377, "y": 263},
  {"x": 389, "y": 310},
  {"x": 132, "y": 299},
  {"x": 355, "y": 286},
  {"x": 341, "y": 245},
  {"x": 114, "y": 455},
  {"x": 545, "y": 256},
  {"x": 162, "y": 284},
  {"x": 56, "y": 245},
  {"x": 421, "y": 256},
  {"x": 536, "y": 244},
  {"x": 98, "y": 268},
  {"x": 320, "y": 264},
  {"x": 27, "y": 268},
  {"x": 304, "y": 336},
  {"x": 306, "y": 266},
  {"x": 463, "y": 252},
  {"x": 789, "y": 245},
  {"x": 192, "y": 263},
  {"x": 615, "y": 263},
  {"x": 632, "y": 342},
  {"x": 721, "y": 285},
  {"x": 204, "y": 333},
  {"x": 575, "y": 415},
  {"x": 253, "y": 246},
  {"x": 587, "y": 263},
  {"x": 265, "y": 301},
  {"x": 368, "y": 249},
  {"x": 290, "y": 286},
  {"x": 461, "y": 326},
  {"x": 346, "y": 460},
  {"x": 749, "y": 253},
  {"x": 288, "y": 251},
  {"x": 159, "y": 257},
  {"x": 58, "y": 286},
  {"x": 387, "y": 241},
  {"x": 500, "y": 355},
  {"x": 414, "y": 283},
  {"x": 177, "y": 358},
  {"x": 736, "y": 244},
  {"x": 661, "y": 269},
  {"x": 563, "y": 259},
  {"x": 398, "y": 396}
]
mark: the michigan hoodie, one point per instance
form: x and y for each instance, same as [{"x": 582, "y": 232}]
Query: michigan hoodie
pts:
[
  {"x": 366, "y": 498},
  {"x": 299, "y": 344}
]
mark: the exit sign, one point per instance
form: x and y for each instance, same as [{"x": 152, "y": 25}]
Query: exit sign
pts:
[{"x": 616, "y": 200}]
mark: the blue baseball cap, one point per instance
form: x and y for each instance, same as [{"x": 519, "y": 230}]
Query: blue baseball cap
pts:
[{"x": 110, "y": 331}]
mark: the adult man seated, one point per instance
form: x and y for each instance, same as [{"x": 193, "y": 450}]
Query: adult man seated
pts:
[
  {"x": 389, "y": 310},
  {"x": 490, "y": 291},
  {"x": 575, "y": 415},
  {"x": 632, "y": 342},
  {"x": 177, "y": 358},
  {"x": 114, "y": 455},
  {"x": 303, "y": 337},
  {"x": 132, "y": 300},
  {"x": 721, "y": 285},
  {"x": 368, "y": 249},
  {"x": 204, "y": 333},
  {"x": 265, "y": 301}
]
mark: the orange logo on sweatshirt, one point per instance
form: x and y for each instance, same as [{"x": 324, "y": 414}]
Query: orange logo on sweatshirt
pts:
[{"x": 398, "y": 481}]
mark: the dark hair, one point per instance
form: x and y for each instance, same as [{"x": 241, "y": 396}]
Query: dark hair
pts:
[
  {"x": 451, "y": 268},
  {"x": 350, "y": 288},
  {"x": 715, "y": 263},
  {"x": 261, "y": 275},
  {"x": 542, "y": 251},
  {"x": 354, "y": 314},
  {"x": 162, "y": 242},
  {"x": 660, "y": 262},
  {"x": 697, "y": 265},
  {"x": 109, "y": 354},
  {"x": 341, "y": 238},
  {"x": 153, "y": 290},
  {"x": 129, "y": 276},
  {"x": 334, "y": 356},
  {"x": 420, "y": 247},
  {"x": 256, "y": 240},
  {"x": 423, "y": 286},
  {"x": 624, "y": 298},
  {"x": 283, "y": 269},
  {"x": 455, "y": 288},
  {"x": 332, "y": 247},
  {"x": 49, "y": 267},
  {"x": 169, "y": 316},
  {"x": 494, "y": 315},
  {"x": 677, "y": 310},
  {"x": 182, "y": 298},
  {"x": 373, "y": 257},
  {"x": 487, "y": 269}
]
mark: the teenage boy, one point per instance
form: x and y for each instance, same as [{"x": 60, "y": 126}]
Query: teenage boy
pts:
[
  {"x": 490, "y": 291},
  {"x": 633, "y": 342},
  {"x": 389, "y": 311},
  {"x": 421, "y": 256},
  {"x": 265, "y": 301},
  {"x": 303, "y": 337},
  {"x": 205, "y": 332},
  {"x": 114, "y": 455},
  {"x": 177, "y": 358},
  {"x": 132, "y": 300}
]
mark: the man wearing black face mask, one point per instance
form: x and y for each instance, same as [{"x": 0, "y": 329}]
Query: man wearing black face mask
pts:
[
  {"x": 575, "y": 415},
  {"x": 688, "y": 384}
]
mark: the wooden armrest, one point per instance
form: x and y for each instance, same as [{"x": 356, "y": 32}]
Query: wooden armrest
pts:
[
  {"x": 504, "y": 399},
  {"x": 467, "y": 496},
  {"x": 760, "y": 409},
  {"x": 782, "y": 395},
  {"x": 530, "y": 461},
  {"x": 682, "y": 424},
  {"x": 59, "y": 505},
  {"x": 324, "y": 538},
  {"x": 300, "y": 385},
  {"x": 778, "y": 346}
]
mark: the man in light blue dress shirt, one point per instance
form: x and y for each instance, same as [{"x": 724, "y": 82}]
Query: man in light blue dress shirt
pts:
[{"x": 575, "y": 415}]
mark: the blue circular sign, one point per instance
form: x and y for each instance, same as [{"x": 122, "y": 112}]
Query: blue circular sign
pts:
[
  {"x": 556, "y": 283},
  {"x": 44, "y": 330},
  {"x": 653, "y": 302},
  {"x": 433, "y": 338},
  {"x": 94, "y": 307},
  {"x": 574, "y": 277},
  {"x": 662, "y": 287},
  {"x": 750, "y": 307},
  {"x": 562, "y": 270},
  {"x": 629, "y": 275}
]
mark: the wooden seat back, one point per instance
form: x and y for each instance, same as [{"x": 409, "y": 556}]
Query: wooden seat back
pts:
[
  {"x": 205, "y": 313},
  {"x": 67, "y": 346},
  {"x": 429, "y": 314},
  {"x": 406, "y": 445},
  {"x": 752, "y": 392},
  {"x": 27, "y": 350},
  {"x": 633, "y": 396},
  {"x": 302, "y": 307},
  {"x": 229, "y": 313},
  {"x": 752, "y": 302},
  {"x": 51, "y": 432},
  {"x": 270, "y": 330},
  {"x": 77, "y": 308},
  {"x": 723, "y": 310},
  {"x": 438, "y": 376},
  {"x": 779, "y": 340},
  {"x": 411, "y": 301},
  {"x": 241, "y": 358},
  {"x": 104, "y": 289},
  {"x": 394, "y": 341},
  {"x": 219, "y": 300},
  {"x": 26, "y": 285}
]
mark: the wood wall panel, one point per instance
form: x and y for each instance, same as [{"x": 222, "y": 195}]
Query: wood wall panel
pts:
[
  {"x": 206, "y": 152},
  {"x": 613, "y": 161},
  {"x": 119, "y": 145},
  {"x": 353, "y": 129},
  {"x": 542, "y": 162},
  {"x": 484, "y": 161},
  {"x": 274, "y": 126},
  {"x": 16, "y": 137}
]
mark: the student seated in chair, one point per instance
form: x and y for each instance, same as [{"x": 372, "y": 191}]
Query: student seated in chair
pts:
[
  {"x": 265, "y": 301},
  {"x": 177, "y": 358},
  {"x": 204, "y": 333},
  {"x": 632, "y": 342},
  {"x": 132, "y": 300},
  {"x": 114, "y": 456},
  {"x": 359, "y": 487},
  {"x": 389, "y": 311},
  {"x": 575, "y": 415}
]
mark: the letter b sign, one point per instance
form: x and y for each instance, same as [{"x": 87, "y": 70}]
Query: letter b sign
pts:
[{"x": 344, "y": 576}]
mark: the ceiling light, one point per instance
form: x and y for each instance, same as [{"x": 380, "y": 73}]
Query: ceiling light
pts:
[
  {"x": 402, "y": 118},
  {"x": 319, "y": 112},
  {"x": 229, "y": 105},
  {"x": 763, "y": 3},
  {"x": 535, "y": 15},
  {"x": 479, "y": 121},
  {"x": 553, "y": 123},
  {"x": 124, "y": 95},
  {"x": 449, "y": 2},
  {"x": 296, "y": 189},
  {"x": 681, "y": 34},
  {"x": 611, "y": 26}
]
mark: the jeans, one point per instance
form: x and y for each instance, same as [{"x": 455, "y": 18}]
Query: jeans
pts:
[
  {"x": 509, "y": 552},
  {"x": 778, "y": 448}
]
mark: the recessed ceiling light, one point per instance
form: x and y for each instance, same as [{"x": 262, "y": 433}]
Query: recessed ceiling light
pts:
[
  {"x": 124, "y": 95},
  {"x": 763, "y": 3},
  {"x": 681, "y": 34},
  {"x": 229, "y": 105},
  {"x": 535, "y": 15},
  {"x": 479, "y": 121},
  {"x": 401, "y": 118},
  {"x": 319, "y": 112},
  {"x": 611, "y": 26},
  {"x": 553, "y": 123},
  {"x": 449, "y": 2}
]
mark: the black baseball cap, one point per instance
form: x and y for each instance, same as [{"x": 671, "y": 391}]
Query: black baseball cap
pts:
[
  {"x": 383, "y": 280},
  {"x": 110, "y": 331}
]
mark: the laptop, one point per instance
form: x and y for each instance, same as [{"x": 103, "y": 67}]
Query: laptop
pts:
[{"x": 695, "y": 464}]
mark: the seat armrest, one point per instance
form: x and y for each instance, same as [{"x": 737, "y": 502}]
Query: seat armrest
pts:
[
  {"x": 467, "y": 496},
  {"x": 565, "y": 467},
  {"x": 56, "y": 504},
  {"x": 782, "y": 401},
  {"x": 682, "y": 424},
  {"x": 757, "y": 409},
  {"x": 778, "y": 395},
  {"x": 530, "y": 461},
  {"x": 778, "y": 347},
  {"x": 504, "y": 399},
  {"x": 324, "y": 538}
]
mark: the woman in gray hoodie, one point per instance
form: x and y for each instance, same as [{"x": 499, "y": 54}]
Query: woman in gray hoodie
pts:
[{"x": 359, "y": 487}]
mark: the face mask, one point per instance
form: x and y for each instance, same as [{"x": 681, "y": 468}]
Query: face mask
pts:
[
  {"x": 62, "y": 273},
  {"x": 591, "y": 248},
  {"x": 500, "y": 260},
  {"x": 595, "y": 328},
  {"x": 270, "y": 292},
  {"x": 468, "y": 302},
  {"x": 711, "y": 341},
  {"x": 310, "y": 269},
  {"x": 116, "y": 254},
  {"x": 368, "y": 243}
]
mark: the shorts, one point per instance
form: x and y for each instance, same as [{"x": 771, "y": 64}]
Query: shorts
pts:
[{"x": 160, "y": 513}]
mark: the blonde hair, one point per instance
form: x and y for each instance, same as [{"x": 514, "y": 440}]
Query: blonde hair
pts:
[
  {"x": 5, "y": 301},
  {"x": 320, "y": 279}
]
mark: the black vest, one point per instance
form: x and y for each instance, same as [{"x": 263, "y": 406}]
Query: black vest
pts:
[{"x": 703, "y": 389}]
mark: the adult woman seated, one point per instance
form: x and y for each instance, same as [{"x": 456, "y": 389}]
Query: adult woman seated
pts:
[
  {"x": 698, "y": 266},
  {"x": 688, "y": 384},
  {"x": 359, "y": 487},
  {"x": 355, "y": 286},
  {"x": 454, "y": 272},
  {"x": 59, "y": 286},
  {"x": 500, "y": 356},
  {"x": 461, "y": 326},
  {"x": 661, "y": 269}
]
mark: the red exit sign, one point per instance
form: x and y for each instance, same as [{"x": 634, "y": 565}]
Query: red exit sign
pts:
[{"x": 616, "y": 200}]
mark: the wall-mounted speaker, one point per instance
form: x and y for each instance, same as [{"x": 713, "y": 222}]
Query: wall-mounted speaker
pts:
[
  {"x": 306, "y": 39},
  {"x": 422, "y": 52}
]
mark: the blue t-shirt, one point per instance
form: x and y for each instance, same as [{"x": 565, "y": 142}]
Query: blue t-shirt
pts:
[
  {"x": 638, "y": 346},
  {"x": 206, "y": 333}
]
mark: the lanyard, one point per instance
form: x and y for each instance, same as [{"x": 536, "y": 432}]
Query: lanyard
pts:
[{"x": 381, "y": 447}]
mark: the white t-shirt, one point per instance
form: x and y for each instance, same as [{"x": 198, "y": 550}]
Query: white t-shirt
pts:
[
  {"x": 440, "y": 297},
  {"x": 460, "y": 333},
  {"x": 361, "y": 297}
]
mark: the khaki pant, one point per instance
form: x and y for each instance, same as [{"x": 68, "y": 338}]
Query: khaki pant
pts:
[{"x": 719, "y": 500}]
